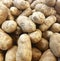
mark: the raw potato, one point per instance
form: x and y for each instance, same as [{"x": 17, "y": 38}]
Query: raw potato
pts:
[
  {"x": 38, "y": 17},
  {"x": 50, "y": 2},
  {"x": 57, "y": 6},
  {"x": 21, "y": 4},
  {"x": 5, "y": 40},
  {"x": 30, "y": 1},
  {"x": 45, "y": 9},
  {"x": 11, "y": 54},
  {"x": 3, "y": 13},
  {"x": 48, "y": 22},
  {"x": 55, "y": 44},
  {"x": 1, "y": 57},
  {"x": 24, "y": 45},
  {"x": 9, "y": 26},
  {"x": 42, "y": 44},
  {"x": 48, "y": 56},
  {"x": 27, "y": 12},
  {"x": 47, "y": 34},
  {"x": 35, "y": 36},
  {"x": 36, "y": 54},
  {"x": 8, "y": 3},
  {"x": 26, "y": 24},
  {"x": 14, "y": 11},
  {"x": 55, "y": 27}
]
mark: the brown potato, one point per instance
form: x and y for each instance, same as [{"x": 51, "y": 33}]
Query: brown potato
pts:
[{"x": 48, "y": 56}]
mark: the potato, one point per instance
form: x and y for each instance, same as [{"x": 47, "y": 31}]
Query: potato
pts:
[
  {"x": 24, "y": 45},
  {"x": 36, "y": 54},
  {"x": 9, "y": 26},
  {"x": 42, "y": 44},
  {"x": 26, "y": 24},
  {"x": 38, "y": 17},
  {"x": 3, "y": 13},
  {"x": 1, "y": 57},
  {"x": 11, "y": 54},
  {"x": 36, "y": 36},
  {"x": 21, "y": 4},
  {"x": 48, "y": 56},
  {"x": 55, "y": 44},
  {"x": 5, "y": 41}
]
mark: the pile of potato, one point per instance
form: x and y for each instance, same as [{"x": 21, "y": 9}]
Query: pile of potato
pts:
[{"x": 29, "y": 30}]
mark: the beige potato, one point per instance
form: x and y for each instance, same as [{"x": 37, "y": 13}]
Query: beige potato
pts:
[
  {"x": 27, "y": 12},
  {"x": 36, "y": 54},
  {"x": 48, "y": 22},
  {"x": 24, "y": 45},
  {"x": 1, "y": 57},
  {"x": 47, "y": 34},
  {"x": 5, "y": 41},
  {"x": 48, "y": 56},
  {"x": 38, "y": 17},
  {"x": 9, "y": 26},
  {"x": 11, "y": 54},
  {"x": 26, "y": 24},
  {"x": 55, "y": 44},
  {"x": 3, "y": 13},
  {"x": 55, "y": 27},
  {"x": 36, "y": 36},
  {"x": 42, "y": 44},
  {"x": 21, "y": 4},
  {"x": 8, "y": 3},
  {"x": 45, "y": 9},
  {"x": 14, "y": 11}
]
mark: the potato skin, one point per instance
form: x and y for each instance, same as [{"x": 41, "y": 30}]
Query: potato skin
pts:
[
  {"x": 24, "y": 45},
  {"x": 11, "y": 54},
  {"x": 26, "y": 24},
  {"x": 5, "y": 41},
  {"x": 36, "y": 54},
  {"x": 9, "y": 26},
  {"x": 55, "y": 44},
  {"x": 36, "y": 36},
  {"x": 48, "y": 56},
  {"x": 1, "y": 57}
]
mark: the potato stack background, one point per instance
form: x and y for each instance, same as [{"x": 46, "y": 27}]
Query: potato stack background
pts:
[{"x": 29, "y": 30}]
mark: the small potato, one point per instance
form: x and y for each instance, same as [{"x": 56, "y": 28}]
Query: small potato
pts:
[
  {"x": 14, "y": 11},
  {"x": 45, "y": 9},
  {"x": 8, "y": 3},
  {"x": 55, "y": 44},
  {"x": 26, "y": 24},
  {"x": 21, "y": 4},
  {"x": 36, "y": 36},
  {"x": 30, "y": 1},
  {"x": 55, "y": 27},
  {"x": 5, "y": 40},
  {"x": 27, "y": 12},
  {"x": 47, "y": 23},
  {"x": 3, "y": 13},
  {"x": 48, "y": 56},
  {"x": 57, "y": 6},
  {"x": 50, "y": 2},
  {"x": 11, "y": 54},
  {"x": 1, "y": 57},
  {"x": 38, "y": 17},
  {"x": 47, "y": 34},
  {"x": 36, "y": 54},
  {"x": 42, "y": 44},
  {"x": 9, "y": 26},
  {"x": 24, "y": 51}
]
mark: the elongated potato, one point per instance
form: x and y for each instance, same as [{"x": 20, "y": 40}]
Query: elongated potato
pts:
[
  {"x": 11, "y": 54},
  {"x": 24, "y": 52},
  {"x": 48, "y": 56},
  {"x": 5, "y": 40},
  {"x": 26, "y": 24}
]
